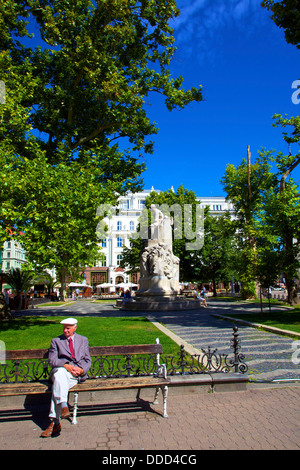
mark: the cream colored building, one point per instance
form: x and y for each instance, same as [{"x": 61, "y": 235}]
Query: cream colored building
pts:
[{"x": 13, "y": 255}]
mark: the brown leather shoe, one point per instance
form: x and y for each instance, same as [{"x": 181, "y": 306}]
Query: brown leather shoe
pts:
[
  {"x": 52, "y": 430},
  {"x": 65, "y": 413}
]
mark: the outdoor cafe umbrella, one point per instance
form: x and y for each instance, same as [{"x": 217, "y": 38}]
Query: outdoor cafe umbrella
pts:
[
  {"x": 76, "y": 284},
  {"x": 126, "y": 284},
  {"x": 105, "y": 284}
]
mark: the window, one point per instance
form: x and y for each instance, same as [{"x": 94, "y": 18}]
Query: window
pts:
[
  {"x": 119, "y": 259},
  {"x": 120, "y": 242},
  {"x": 102, "y": 261},
  {"x": 131, "y": 226},
  {"x": 8, "y": 254},
  {"x": 119, "y": 225},
  {"x": 104, "y": 243}
]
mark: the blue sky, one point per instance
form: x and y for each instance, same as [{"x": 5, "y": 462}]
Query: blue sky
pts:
[{"x": 240, "y": 57}]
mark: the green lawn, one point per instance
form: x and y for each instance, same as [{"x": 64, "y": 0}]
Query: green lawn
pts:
[
  {"x": 37, "y": 332},
  {"x": 288, "y": 320}
]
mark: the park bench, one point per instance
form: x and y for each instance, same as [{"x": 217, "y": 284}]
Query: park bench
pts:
[{"x": 26, "y": 372}]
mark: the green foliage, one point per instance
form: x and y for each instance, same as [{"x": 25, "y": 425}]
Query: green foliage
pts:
[
  {"x": 286, "y": 15},
  {"x": 131, "y": 256},
  {"x": 20, "y": 280},
  {"x": 246, "y": 187},
  {"x": 267, "y": 209},
  {"x": 217, "y": 259},
  {"x": 74, "y": 127},
  {"x": 87, "y": 84}
]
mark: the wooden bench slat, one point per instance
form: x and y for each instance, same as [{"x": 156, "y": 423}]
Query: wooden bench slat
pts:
[
  {"x": 89, "y": 385},
  {"x": 26, "y": 354},
  {"x": 128, "y": 349},
  {"x": 23, "y": 388},
  {"x": 94, "y": 351},
  {"x": 119, "y": 383}
]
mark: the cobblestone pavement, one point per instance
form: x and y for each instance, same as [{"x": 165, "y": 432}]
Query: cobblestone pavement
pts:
[
  {"x": 256, "y": 419},
  {"x": 268, "y": 356},
  {"x": 262, "y": 417}
]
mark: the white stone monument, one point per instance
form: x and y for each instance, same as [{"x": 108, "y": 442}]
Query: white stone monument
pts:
[{"x": 159, "y": 288}]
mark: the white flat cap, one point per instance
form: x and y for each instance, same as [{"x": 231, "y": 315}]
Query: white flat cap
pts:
[{"x": 69, "y": 321}]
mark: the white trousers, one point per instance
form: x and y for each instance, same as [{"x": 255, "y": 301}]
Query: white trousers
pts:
[{"x": 62, "y": 382}]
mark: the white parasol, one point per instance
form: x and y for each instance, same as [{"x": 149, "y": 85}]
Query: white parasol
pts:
[
  {"x": 105, "y": 284},
  {"x": 126, "y": 284}
]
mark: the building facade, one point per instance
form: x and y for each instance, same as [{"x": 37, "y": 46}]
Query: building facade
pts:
[{"x": 13, "y": 255}]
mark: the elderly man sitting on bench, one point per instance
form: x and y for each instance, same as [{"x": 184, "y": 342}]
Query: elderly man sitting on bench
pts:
[{"x": 70, "y": 361}]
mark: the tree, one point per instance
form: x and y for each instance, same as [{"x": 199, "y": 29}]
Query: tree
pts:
[
  {"x": 217, "y": 259},
  {"x": 89, "y": 82},
  {"x": 267, "y": 213},
  {"x": 286, "y": 15},
  {"x": 82, "y": 88},
  {"x": 245, "y": 186},
  {"x": 283, "y": 207},
  {"x": 75, "y": 105},
  {"x": 60, "y": 220},
  {"x": 20, "y": 280},
  {"x": 131, "y": 255}
]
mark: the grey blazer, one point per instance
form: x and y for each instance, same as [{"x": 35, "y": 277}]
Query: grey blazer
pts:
[{"x": 59, "y": 354}]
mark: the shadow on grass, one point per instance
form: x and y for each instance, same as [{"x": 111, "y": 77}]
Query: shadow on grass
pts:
[{"x": 23, "y": 323}]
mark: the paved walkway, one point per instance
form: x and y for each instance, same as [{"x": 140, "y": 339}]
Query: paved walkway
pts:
[
  {"x": 263, "y": 417},
  {"x": 255, "y": 419}
]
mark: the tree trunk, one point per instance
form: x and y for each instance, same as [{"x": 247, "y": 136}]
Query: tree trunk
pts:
[
  {"x": 62, "y": 289},
  {"x": 214, "y": 287},
  {"x": 5, "y": 313},
  {"x": 292, "y": 294}
]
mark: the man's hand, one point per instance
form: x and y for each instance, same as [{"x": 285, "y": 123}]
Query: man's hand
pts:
[{"x": 74, "y": 370}]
